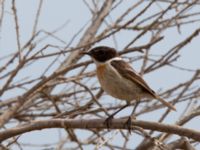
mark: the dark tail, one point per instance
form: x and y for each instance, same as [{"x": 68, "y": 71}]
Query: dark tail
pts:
[{"x": 165, "y": 103}]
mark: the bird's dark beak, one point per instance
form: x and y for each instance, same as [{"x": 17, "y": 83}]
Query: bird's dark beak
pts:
[{"x": 84, "y": 53}]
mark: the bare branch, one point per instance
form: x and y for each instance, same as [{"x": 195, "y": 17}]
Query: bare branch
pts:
[{"x": 98, "y": 124}]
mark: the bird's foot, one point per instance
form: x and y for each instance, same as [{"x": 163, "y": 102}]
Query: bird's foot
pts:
[
  {"x": 108, "y": 121},
  {"x": 128, "y": 123}
]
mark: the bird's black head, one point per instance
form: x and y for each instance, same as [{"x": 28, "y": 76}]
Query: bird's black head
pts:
[{"x": 102, "y": 53}]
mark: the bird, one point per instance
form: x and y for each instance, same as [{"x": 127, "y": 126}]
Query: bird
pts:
[{"x": 120, "y": 80}]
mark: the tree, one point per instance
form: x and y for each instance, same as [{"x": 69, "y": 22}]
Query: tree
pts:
[{"x": 47, "y": 83}]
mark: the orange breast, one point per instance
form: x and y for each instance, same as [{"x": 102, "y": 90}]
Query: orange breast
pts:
[{"x": 101, "y": 72}]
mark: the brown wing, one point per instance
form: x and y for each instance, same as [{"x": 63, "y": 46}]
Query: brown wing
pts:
[{"x": 127, "y": 71}]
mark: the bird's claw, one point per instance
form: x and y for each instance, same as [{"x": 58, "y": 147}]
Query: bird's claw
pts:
[
  {"x": 128, "y": 123},
  {"x": 108, "y": 121}
]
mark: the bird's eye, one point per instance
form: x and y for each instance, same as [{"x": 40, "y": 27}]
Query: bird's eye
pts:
[
  {"x": 102, "y": 53},
  {"x": 98, "y": 52}
]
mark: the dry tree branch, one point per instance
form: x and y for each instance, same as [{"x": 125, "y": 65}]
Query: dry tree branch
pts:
[
  {"x": 21, "y": 100},
  {"x": 17, "y": 29},
  {"x": 37, "y": 18},
  {"x": 98, "y": 124}
]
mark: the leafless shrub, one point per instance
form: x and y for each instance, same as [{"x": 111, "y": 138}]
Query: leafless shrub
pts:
[{"x": 64, "y": 92}]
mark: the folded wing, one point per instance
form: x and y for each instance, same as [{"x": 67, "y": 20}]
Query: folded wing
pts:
[{"x": 127, "y": 72}]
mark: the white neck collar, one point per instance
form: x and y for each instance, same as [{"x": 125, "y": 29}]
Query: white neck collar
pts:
[{"x": 108, "y": 61}]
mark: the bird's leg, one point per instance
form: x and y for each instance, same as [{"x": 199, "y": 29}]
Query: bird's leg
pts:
[
  {"x": 128, "y": 122},
  {"x": 109, "y": 119}
]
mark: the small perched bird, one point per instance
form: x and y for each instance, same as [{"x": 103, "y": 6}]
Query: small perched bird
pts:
[{"x": 119, "y": 79}]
